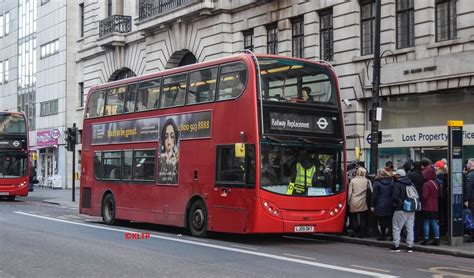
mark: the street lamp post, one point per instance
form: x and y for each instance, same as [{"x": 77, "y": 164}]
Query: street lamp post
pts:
[{"x": 375, "y": 94}]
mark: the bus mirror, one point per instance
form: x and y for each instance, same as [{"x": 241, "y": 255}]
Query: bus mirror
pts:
[{"x": 239, "y": 150}]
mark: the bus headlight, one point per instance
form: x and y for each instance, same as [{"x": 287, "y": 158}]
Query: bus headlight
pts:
[
  {"x": 23, "y": 184},
  {"x": 271, "y": 208}
]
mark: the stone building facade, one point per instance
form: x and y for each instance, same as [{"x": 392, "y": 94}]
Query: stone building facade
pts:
[{"x": 427, "y": 51}]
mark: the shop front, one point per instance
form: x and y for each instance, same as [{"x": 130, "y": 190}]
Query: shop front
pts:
[
  {"x": 415, "y": 126},
  {"x": 48, "y": 153},
  {"x": 399, "y": 145}
]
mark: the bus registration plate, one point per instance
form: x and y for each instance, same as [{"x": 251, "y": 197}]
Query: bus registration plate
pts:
[
  {"x": 4, "y": 193},
  {"x": 304, "y": 229}
]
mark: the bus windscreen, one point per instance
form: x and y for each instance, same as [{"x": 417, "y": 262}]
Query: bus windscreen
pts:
[
  {"x": 12, "y": 124},
  {"x": 287, "y": 80},
  {"x": 301, "y": 170},
  {"x": 13, "y": 164}
]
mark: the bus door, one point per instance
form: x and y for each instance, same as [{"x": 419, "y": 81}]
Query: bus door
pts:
[{"x": 234, "y": 188}]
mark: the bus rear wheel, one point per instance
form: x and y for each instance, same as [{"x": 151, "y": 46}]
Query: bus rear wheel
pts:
[
  {"x": 197, "y": 219},
  {"x": 108, "y": 210}
]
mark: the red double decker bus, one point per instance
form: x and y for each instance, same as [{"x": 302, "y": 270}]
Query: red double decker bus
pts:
[
  {"x": 14, "y": 156},
  {"x": 243, "y": 144}
]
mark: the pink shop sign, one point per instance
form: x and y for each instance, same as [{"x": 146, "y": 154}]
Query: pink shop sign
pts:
[{"x": 47, "y": 137}]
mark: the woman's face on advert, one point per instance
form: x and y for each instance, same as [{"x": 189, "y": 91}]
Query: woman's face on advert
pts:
[{"x": 169, "y": 138}]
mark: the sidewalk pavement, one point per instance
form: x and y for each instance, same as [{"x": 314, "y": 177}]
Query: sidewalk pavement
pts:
[
  {"x": 60, "y": 197},
  {"x": 63, "y": 197},
  {"x": 466, "y": 250}
]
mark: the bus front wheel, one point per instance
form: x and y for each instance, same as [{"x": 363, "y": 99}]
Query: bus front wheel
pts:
[
  {"x": 108, "y": 210},
  {"x": 197, "y": 219},
  {"x": 11, "y": 198}
]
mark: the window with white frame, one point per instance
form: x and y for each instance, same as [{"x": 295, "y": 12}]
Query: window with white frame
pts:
[
  {"x": 1, "y": 72},
  {"x": 7, "y": 23},
  {"x": 6, "y": 74},
  {"x": 1, "y": 26},
  {"x": 49, "y": 49},
  {"x": 49, "y": 107}
]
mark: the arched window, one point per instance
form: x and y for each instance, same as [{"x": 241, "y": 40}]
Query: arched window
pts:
[
  {"x": 121, "y": 74},
  {"x": 181, "y": 58}
]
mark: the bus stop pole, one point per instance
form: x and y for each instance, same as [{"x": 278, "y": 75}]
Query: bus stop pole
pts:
[{"x": 455, "y": 182}]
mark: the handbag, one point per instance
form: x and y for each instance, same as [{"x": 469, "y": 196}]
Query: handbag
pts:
[{"x": 368, "y": 194}]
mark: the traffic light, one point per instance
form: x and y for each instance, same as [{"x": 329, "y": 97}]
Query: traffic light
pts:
[{"x": 70, "y": 136}]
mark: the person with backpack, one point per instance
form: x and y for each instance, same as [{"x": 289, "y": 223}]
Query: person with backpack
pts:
[
  {"x": 406, "y": 202},
  {"x": 430, "y": 206},
  {"x": 468, "y": 223}
]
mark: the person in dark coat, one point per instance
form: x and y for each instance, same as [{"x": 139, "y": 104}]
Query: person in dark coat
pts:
[
  {"x": 408, "y": 166},
  {"x": 418, "y": 180},
  {"x": 381, "y": 204},
  {"x": 429, "y": 203},
  {"x": 469, "y": 186},
  {"x": 33, "y": 180},
  {"x": 442, "y": 180}
]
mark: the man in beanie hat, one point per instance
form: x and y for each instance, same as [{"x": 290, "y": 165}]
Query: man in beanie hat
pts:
[{"x": 400, "y": 217}]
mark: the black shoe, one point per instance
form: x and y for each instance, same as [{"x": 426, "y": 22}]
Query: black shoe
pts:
[
  {"x": 435, "y": 242},
  {"x": 424, "y": 242},
  {"x": 410, "y": 249},
  {"x": 395, "y": 249}
]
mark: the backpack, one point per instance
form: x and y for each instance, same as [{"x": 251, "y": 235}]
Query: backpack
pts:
[
  {"x": 468, "y": 224},
  {"x": 412, "y": 200}
]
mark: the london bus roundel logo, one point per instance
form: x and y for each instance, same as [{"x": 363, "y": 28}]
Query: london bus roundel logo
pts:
[
  {"x": 322, "y": 123},
  {"x": 16, "y": 144},
  {"x": 55, "y": 133}
]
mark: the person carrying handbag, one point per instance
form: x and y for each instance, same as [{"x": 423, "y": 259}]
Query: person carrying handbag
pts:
[
  {"x": 429, "y": 204},
  {"x": 357, "y": 201}
]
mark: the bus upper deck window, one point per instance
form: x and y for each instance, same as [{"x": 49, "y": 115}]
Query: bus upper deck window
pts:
[
  {"x": 95, "y": 105},
  {"x": 148, "y": 95},
  {"x": 232, "y": 81},
  {"x": 202, "y": 85}
]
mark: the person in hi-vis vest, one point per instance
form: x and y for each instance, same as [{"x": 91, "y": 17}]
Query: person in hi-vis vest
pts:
[{"x": 303, "y": 175}]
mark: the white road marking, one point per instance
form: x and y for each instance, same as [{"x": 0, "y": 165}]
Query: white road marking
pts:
[
  {"x": 248, "y": 252},
  {"x": 243, "y": 246},
  {"x": 298, "y": 256},
  {"x": 371, "y": 268}
]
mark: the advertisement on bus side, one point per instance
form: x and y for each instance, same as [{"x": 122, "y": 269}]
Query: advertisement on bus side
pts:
[{"x": 168, "y": 130}]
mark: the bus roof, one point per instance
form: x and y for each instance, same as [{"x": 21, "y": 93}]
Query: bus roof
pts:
[
  {"x": 12, "y": 113},
  {"x": 238, "y": 57}
]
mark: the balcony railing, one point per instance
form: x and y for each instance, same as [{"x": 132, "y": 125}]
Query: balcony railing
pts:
[
  {"x": 152, "y": 8},
  {"x": 115, "y": 24}
]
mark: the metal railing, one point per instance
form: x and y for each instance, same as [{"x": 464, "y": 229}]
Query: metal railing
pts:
[
  {"x": 115, "y": 24},
  {"x": 152, "y": 8}
]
